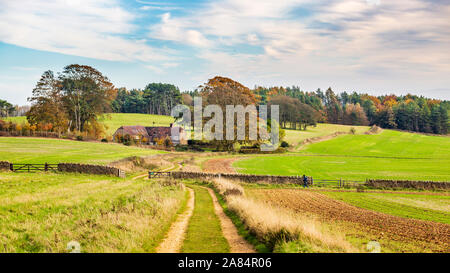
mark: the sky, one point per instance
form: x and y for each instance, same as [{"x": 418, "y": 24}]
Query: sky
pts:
[{"x": 373, "y": 46}]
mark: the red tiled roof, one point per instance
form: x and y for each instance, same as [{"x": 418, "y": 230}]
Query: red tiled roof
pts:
[{"x": 149, "y": 132}]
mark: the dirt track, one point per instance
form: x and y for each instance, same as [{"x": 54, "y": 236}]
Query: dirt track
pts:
[
  {"x": 435, "y": 235},
  {"x": 236, "y": 242},
  {"x": 175, "y": 236}
]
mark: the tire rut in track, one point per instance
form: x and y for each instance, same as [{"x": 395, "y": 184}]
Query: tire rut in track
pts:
[
  {"x": 177, "y": 231},
  {"x": 435, "y": 235},
  {"x": 236, "y": 242}
]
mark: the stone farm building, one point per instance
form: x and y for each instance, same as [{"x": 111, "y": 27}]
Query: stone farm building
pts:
[{"x": 150, "y": 135}]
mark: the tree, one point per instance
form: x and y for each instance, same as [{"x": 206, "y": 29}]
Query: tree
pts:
[
  {"x": 160, "y": 98},
  {"x": 72, "y": 100},
  {"x": 86, "y": 94},
  {"x": 333, "y": 107},
  {"x": 444, "y": 119},
  {"x": 386, "y": 118},
  {"x": 47, "y": 103},
  {"x": 186, "y": 99},
  {"x": 293, "y": 112},
  {"x": 6, "y": 108},
  {"x": 222, "y": 92},
  {"x": 355, "y": 115}
]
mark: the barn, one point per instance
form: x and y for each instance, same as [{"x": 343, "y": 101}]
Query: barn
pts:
[{"x": 151, "y": 135}]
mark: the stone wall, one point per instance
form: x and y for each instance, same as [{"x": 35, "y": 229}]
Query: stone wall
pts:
[
  {"x": 248, "y": 178},
  {"x": 90, "y": 169},
  {"x": 4, "y": 166},
  {"x": 422, "y": 185}
]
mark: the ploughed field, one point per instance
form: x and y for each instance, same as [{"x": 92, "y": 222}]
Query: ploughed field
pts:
[
  {"x": 395, "y": 233},
  {"x": 388, "y": 155}
]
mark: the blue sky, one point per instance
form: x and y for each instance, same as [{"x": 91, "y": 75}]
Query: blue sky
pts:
[{"x": 373, "y": 46}]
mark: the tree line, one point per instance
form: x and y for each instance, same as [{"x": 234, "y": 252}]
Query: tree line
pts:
[
  {"x": 7, "y": 109},
  {"x": 155, "y": 98},
  {"x": 409, "y": 112},
  {"x": 72, "y": 101}
]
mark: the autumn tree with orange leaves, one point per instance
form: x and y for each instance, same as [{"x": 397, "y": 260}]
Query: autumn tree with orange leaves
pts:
[{"x": 72, "y": 100}]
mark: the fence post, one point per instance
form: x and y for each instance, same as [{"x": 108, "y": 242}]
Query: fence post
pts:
[
  {"x": 11, "y": 166},
  {"x": 46, "y": 166}
]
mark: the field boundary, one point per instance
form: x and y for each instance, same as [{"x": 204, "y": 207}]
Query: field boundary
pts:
[
  {"x": 340, "y": 183},
  {"x": 63, "y": 167}
]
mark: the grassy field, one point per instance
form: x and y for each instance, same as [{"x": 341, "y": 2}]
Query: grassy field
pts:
[
  {"x": 294, "y": 137},
  {"x": 44, "y": 212},
  {"x": 115, "y": 120},
  {"x": 387, "y": 144},
  {"x": 424, "y": 207},
  {"x": 204, "y": 234},
  {"x": 41, "y": 150},
  {"x": 353, "y": 168},
  {"x": 362, "y": 156}
]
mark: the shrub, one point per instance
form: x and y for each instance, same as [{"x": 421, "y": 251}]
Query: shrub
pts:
[
  {"x": 284, "y": 144},
  {"x": 104, "y": 140},
  {"x": 80, "y": 138}
]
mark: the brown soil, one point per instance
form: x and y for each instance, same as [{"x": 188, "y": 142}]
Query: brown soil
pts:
[
  {"x": 236, "y": 242},
  {"x": 219, "y": 165},
  {"x": 435, "y": 236},
  {"x": 175, "y": 236}
]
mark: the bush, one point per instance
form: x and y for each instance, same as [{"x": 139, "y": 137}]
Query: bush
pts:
[
  {"x": 80, "y": 138},
  {"x": 284, "y": 144},
  {"x": 105, "y": 140}
]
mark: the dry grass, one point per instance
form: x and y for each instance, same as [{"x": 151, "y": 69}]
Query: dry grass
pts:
[
  {"x": 226, "y": 187},
  {"x": 276, "y": 226},
  {"x": 43, "y": 212}
]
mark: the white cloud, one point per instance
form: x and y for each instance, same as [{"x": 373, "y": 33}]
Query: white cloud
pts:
[
  {"x": 84, "y": 28},
  {"x": 338, "y": 39}
]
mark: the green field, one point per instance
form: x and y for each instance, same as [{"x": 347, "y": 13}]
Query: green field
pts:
[
  {"x": 424, "y": 207},
  {"x": 44, "y": 212},
  {"x": 21, "y": 119},
  {"x": 359, "y": 157},
  {"x": 114, "y": 120},
  {"x": 42, "y": 150},
  {"x": 387, "y": 144},
  {"x": 294, "y": 137}
]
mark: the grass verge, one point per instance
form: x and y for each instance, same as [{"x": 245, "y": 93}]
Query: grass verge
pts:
[
  {"x": 44, "y": 212},
  {"x": 204, "y": 233}
]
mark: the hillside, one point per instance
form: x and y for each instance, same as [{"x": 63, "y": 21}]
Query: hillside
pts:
[
  {"x": 294, "y": 137},
  {"x": 389, "y": 155},
  {"x": 114, "y": 120},
  {"x": 386, "y": 144},
  {"x": 41, "y": 150}
]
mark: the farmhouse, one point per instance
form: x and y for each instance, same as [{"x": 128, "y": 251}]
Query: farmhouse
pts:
[{"x": 150, "y": 135}]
